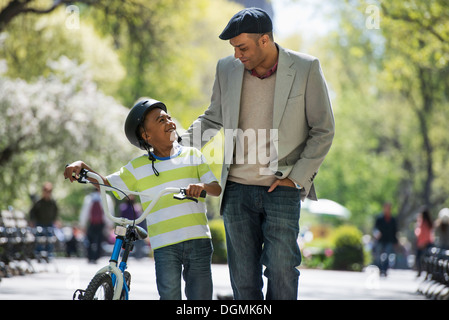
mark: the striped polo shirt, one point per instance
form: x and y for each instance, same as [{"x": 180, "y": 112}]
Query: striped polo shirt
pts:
[{"x": 170, "y": 221}]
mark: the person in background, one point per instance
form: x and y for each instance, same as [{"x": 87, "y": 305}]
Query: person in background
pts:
[
  {"x": 424, "y": 236},
  {"x": 385, "y": 230},
  {"x": 131, "y": 210},
  {"x": 95, "y": 224},
  {"x": 442, "y": 229},
  {"x": 44, "y": 213}
]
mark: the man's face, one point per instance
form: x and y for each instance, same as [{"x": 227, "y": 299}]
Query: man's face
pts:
[
  {"x": 248, "y": 50},
  {"x": 160, "y": 130}
]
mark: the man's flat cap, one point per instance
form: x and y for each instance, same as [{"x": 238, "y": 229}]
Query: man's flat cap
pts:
[{"x": 250, "y": 20}]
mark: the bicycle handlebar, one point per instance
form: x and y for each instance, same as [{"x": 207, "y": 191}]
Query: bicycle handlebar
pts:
[{"x": 180, "y": 194}]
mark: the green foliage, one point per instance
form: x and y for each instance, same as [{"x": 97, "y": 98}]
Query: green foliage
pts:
[
  {"x": 318, "y": 260},
  {"x": 338, "y": 248},
  {"x": 218, "y": 240},
  {"x": 348, "y": 249},
  {"x": 62, "y": 88},
  {"x": 389, "y": 93},
  {"x": 53, "y": 121},
  {"x": 169, "y": 49},
  {"x": 388, "y": 88},
  {"x": 26, "y": 43}
]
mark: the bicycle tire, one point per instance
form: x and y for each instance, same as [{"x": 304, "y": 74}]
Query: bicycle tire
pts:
[{"x": 100, "y": 281}]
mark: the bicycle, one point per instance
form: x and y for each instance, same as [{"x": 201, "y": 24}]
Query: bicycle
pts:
[{"x": 112, "y": 282}]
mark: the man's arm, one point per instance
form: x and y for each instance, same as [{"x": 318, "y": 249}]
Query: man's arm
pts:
[
  {"x": 211, "y": 119},
  {"x": 322, "y": 127}
]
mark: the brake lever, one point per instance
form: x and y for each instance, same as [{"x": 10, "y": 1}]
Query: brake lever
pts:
[
  {"x": 182, "y": 196},
  {"x": 83, "y": 176}
]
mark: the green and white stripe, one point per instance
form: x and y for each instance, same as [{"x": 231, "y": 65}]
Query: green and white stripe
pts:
[{"x": 170, "y": 221}]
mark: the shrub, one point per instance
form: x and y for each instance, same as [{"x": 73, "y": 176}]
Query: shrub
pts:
[
  {"x": 218, "y": 240},
  {"x": 348, "y": 249}
]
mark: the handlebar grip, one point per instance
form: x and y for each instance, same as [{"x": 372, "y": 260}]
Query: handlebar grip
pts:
[
  {"x": 182, "y": 195},
  {"x": 83, "y": 175}
]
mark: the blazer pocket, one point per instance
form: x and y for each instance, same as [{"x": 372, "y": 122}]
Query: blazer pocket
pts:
[
  {"x": 293, "y": 126},
  {"x": 294, "y": 95},
  {"x": 295, "y": 105}
]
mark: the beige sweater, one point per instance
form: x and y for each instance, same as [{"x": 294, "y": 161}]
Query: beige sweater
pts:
[{"x": 252, "y": 148}]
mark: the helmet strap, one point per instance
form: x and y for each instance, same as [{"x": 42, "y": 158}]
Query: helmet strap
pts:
[
  {"x": 148, "y": 148},
  {"x": 152, "y": 159}
]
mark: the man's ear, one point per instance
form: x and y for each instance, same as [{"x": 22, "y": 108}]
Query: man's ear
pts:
[{"x": 264, "y": 39}]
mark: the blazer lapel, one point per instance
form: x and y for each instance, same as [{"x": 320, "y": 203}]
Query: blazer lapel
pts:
[
  {"x": 284, "y": 80},
  {"x": 235, "y": 81}
]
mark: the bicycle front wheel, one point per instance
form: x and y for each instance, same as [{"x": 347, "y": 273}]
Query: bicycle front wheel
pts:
[{"x": 100, "y": 288}]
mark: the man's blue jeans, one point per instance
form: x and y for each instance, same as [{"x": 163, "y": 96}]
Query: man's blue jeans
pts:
[
  {"x": 195, "y": 256},
  {"x": 262, "y": 229}
]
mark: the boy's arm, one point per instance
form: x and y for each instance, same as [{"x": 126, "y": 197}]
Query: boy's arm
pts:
[
  {"x": 75, "y": 168},
  {"x": 212, "y": 189}
]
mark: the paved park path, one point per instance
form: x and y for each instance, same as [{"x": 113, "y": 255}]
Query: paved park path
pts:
[{"x": 59, "y": 279}]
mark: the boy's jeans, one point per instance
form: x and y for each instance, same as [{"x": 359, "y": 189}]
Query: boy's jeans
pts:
[
  {"x": 195, "y": 256},
  {"x": 262, "y": 229}
]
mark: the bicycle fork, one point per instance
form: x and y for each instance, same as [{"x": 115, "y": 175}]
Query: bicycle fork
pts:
[{"x": 118, "y": 274}]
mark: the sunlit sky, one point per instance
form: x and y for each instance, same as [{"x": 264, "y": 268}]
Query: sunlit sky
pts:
[{"x": 305, "y": 17}]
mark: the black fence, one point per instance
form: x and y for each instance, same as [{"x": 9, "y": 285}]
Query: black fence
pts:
[
  {"x": 435, "y": 263},
  {"x": 22, "y": 245}
]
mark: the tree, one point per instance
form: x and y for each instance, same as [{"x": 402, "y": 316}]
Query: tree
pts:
[
  {"x": 169, "y": 48},
  {"x": 354, "y": 172},
  {"x": 417, "y": 63},
  {"x": 57, "y": 82},
  {"x": 26, "y": 41},
  {"x": 390, "y": 88},
  {"x": 54, "y": 121},
  {"x": 14, "y": 8}
]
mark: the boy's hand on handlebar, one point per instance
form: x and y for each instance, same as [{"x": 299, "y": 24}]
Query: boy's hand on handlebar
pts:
[
  {"x": 194, "y": 190},
  {"x": 72, "y": 171},
  {"x": 197, "y": 190}
]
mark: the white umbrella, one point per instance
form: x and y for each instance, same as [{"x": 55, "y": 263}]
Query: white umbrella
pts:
[{"x": 326, "y": 207}]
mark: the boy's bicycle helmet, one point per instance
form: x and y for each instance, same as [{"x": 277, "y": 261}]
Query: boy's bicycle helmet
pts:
[
  {"x": 133, "y": 122},
  {"x": 135, "y": 119}
]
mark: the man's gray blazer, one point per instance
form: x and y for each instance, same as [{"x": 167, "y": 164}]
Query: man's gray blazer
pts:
[{"x": 302, "y": 114}]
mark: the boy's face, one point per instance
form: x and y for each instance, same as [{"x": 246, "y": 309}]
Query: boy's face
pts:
[{"x": 160, "y": 130}]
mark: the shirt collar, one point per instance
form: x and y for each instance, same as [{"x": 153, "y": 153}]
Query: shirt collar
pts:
[
  {"x": 177, "y": 153},
  {"x": 267, "y": 74}
]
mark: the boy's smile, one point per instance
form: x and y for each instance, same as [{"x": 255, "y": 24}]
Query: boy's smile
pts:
[{"x": 160, "y": 132}]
